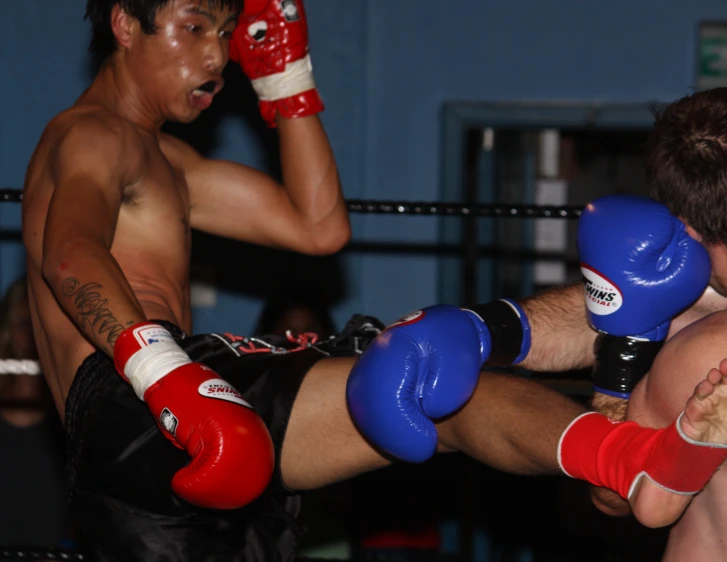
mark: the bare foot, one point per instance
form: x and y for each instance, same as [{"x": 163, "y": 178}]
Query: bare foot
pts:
[
  {"x": 705, "y": 420},
  {"x": 705, "y": 415}
]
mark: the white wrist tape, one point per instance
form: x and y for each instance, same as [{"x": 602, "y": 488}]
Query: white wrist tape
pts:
[
  {"x": 295, "y": 79},
  {"x": 152, "y": 363}
]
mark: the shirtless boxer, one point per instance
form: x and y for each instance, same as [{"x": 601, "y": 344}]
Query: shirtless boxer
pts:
[
  {"x": 109, "y": 202},
  {"x": 686, "y": 163},
  {"x": 686, "y": 159}
]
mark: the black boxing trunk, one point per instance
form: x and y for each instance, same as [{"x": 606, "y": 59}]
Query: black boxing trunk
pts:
[{"x": 120, "y": 466}]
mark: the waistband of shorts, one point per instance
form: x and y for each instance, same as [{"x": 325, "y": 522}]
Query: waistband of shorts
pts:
[{"x": 353, "y": 339}]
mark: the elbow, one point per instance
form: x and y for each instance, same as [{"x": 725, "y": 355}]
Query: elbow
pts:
[{"x": 330, "y": 240}]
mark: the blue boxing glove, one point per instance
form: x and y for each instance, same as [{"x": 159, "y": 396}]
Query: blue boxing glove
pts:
[
  {"x": 426, "y": 366},
  {"x": 640, "y": 269}
]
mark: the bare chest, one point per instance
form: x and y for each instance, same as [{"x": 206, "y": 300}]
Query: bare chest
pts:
[{"x": 158, "y": 204}]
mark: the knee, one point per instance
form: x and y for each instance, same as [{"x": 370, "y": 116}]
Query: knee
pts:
[{"x": 490, "y": 394}]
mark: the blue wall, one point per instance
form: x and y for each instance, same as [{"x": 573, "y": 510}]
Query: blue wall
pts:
[{"x": 384, "y": 69}]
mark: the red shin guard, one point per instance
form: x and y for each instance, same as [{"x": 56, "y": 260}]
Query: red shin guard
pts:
[{"x": 616, "y": 454}]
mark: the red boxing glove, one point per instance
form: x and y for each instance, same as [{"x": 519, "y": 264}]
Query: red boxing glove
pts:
[
  {"x": 270, "y": 43},
  {"x": 232, "y": 453},
  {"x": 618, "y": 454}
]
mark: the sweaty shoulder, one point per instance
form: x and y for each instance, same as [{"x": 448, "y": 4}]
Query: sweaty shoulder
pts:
[{"x": 82, "y": 139}]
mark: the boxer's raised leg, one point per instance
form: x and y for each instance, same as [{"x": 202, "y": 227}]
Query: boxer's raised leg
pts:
[
  {"x": 510, "y": 423},
  {"x": 321, "y": 444}
]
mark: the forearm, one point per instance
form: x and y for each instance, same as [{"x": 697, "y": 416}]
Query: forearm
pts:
[
  {"x": 310, "y": 175},
  {"x": 91, "y": 288},
  {"x": 561, "y": 338}
]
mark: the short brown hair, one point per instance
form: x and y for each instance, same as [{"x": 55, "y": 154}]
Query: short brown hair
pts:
[{"x": 686, "y": 162}]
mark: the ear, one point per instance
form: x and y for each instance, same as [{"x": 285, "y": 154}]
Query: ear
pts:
[
  {"x": 693, "y": 233},
  {"x": 123, "y": 26}
]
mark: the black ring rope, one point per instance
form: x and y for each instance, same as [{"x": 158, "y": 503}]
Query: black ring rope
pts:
[
  {"x": 432, "y": 208},
  {"x": 11, "y": 195},
  {"x": 17, "y": 553},
  {"x": 463, "y": 209}
]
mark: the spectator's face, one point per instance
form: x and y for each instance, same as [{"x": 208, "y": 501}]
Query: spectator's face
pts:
[{"x": 298, "y": 319}]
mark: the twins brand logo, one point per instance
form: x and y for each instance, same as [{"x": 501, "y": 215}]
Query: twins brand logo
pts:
[
  {"x": 410, "y": 318},
  {"x": 222, "y": 390},
  {"x": 147, "y": 335},
  {"x": 602, "y": 296}
]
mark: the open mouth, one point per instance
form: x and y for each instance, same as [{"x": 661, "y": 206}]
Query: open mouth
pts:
[
  {"x": 208, "y": 87},
  {"x": 201, "y": 97}
]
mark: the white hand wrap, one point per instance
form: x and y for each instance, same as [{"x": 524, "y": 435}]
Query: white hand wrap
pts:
[
  {"x": 153, "y": 362},
  {"x": 295, "y": 79}
]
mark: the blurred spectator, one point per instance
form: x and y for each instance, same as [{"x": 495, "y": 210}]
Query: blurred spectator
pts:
[
  {"x": 298, "y": 310},
  {"x": 32, "y": 473}
]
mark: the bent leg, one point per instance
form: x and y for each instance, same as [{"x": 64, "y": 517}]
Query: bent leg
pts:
[
  {"x": 510, "y": 423},
  {"x": 321, "y": 444}
]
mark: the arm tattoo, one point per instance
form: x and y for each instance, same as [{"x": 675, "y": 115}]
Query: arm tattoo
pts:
[{"x": 92, "y": 313}]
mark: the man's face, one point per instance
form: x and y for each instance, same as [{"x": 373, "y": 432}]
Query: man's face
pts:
[{"x": 180, "y": 66}]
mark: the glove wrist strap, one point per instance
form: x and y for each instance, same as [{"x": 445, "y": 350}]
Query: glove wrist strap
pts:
[
  {"x": 509, "y": 331},
  {"x": 621, "y": 362},
  {"x": 151, "y": 364},
  {"x": 146, "y": 353},
  {"x": 295, "y": 79}
]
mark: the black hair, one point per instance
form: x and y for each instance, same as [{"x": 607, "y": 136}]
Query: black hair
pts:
[{"x": 98, "y": 12}]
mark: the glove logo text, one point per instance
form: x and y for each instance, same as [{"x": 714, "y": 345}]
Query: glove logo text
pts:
[
  {"x": 410, "y": 318},
  {"x": 222, "y": 390},
  {"x": 149, "y": 335},
  {"x": 602, "y": 296}
]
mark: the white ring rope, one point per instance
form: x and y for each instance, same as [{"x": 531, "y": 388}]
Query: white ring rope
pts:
[{"x": 19, "y": 367}]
